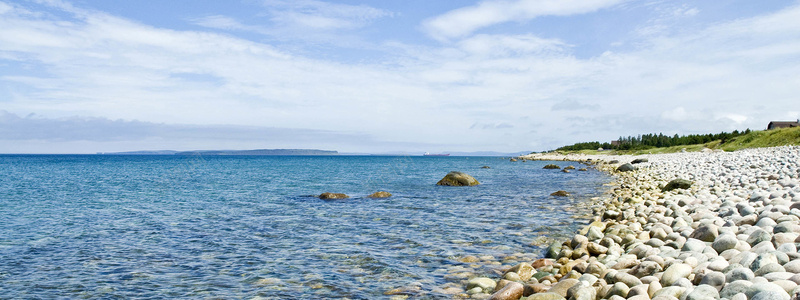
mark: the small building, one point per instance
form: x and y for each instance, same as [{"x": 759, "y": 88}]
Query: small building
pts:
[{"x": 782, "y": 124}]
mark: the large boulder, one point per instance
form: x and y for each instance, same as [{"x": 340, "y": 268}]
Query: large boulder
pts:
[
  {"x": 333, "y": 196},
  {"x": 455, "y": 178},
  {"x": 380, "y": 194},
  {"x": 626, "y": 168},
  {"x": 551, "y": 166},
  {"x": 677, "y": 184},
  {"x": 560, "y": 194},
  {"x": 639, "y": 160}
]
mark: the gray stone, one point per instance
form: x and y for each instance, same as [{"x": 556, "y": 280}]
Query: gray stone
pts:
[
  {"x": 745, "y": 209},
  {"x": 763, "y": 260},
  {"x": 769, "y": 268},
  {"x": 673, "y": 291},
  {"x": 546, "y": 296},
  {"x": 626, "y": 168},
  {"x": 740, "y": 273},
  {"x": 511, "y": 291},
  {"x": 582, "y": 291},
  {"x": 675, "y": 272},
  {"x": 758, "y": 288},
  {"x": 724, "y": 242},
  {"x": 618, "y": 289},
  {"x": 735, "y": 287},
  {"x": 677, "y": 184},
  {"x": 775, "y": 276},
  {"x": 627, "y": 279},
  {"x": 758, "y": 236},
  {"x": 770, "y": 295},
  {"x": 485, "y": 283},
  {"x": 594, "y": 233},
  {"x": 562, "y": 286},
  {"x": 646, "y": 268},
  {"x": 706, "y": 233},
  {"x": 739, "y": 296},
  {"x": 715, "y": 279},
  {"x": 703, "y": 292},
  {"x": 455, "y": 178},
  {"x": 792, "y": 266},
  {"x": 693, "y": 245}
]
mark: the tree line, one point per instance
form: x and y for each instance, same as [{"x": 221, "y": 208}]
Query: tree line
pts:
[{"x": 652, "y": 140}]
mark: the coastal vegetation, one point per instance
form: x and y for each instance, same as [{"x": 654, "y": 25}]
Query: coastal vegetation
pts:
[{"x": 660, "y": 143}]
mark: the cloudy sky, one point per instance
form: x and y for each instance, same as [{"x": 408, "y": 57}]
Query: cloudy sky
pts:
[{"x": 89, "y": 76}]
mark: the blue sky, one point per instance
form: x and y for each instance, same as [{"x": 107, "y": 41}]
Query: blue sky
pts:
[{"x": 380, "y": 76}]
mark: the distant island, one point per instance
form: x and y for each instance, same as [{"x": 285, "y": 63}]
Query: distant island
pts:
[{"x": 274, "y": 152}]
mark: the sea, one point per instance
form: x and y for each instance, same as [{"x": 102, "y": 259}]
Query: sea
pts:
[{"x": 252, "y": 227}]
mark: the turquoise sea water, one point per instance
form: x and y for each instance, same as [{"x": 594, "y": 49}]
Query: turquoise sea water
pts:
[{"x": 157, "y": 227}]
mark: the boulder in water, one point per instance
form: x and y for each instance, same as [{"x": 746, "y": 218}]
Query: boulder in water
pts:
[
  {"x": 455, "y": 178},
  {"x": 380, "y": 194},
  {"x": 551, "y": 166},
  {"x": 333, "y": 196},
  {"x": 560, "y": 194}
]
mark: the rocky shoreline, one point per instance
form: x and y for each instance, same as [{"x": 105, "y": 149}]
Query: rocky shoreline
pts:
[{"x": 732, "y": 234}]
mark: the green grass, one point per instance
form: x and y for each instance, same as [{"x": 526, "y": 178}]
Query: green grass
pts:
[
  {"x": 754, "y": 139},
  {"x": 767, "y": 138}
]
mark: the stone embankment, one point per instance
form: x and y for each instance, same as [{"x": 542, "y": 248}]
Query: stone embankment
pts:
[{"x": 732, "y": 233}]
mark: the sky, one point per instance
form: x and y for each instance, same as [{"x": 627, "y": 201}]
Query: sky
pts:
[{"x": 88, "y": 76}]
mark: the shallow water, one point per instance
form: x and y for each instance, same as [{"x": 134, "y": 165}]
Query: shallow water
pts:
[{"x": 239, "y": 227}]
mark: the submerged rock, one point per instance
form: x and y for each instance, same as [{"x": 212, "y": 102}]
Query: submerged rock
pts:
[
  {"x": 560, "y": 194},
  {"x": 455, "y": 178},
  {"x": 332, "y": 196},
  {"x": 551, "y": 166}
]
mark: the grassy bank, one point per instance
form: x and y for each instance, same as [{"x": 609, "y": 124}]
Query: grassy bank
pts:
[{"x": 754, "y": 139}]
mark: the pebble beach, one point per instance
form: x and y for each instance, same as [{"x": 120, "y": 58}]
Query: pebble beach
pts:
[{"x": 732, "y": 233}]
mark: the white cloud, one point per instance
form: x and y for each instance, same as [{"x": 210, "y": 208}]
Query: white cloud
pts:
[
  {"x": 321, "y": 15},
  {"x": 464, "y": 21},
  {"x": 728, "y": 76}
]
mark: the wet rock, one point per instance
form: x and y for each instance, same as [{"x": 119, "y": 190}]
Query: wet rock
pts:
[
  {"x": 546, "y": 296},
  {"x": 455, "y": 178},
  {"x": 562, "y": 286},
  {"x": 511, "y": 291},
  {"x": 551, "y": 167},
  {"x": 582, "y": 291},
  {"x": 560, "y": 194},
  {"x": 333, "y": 196},
  {"x": 524, "y": 270},
  {"x": 484, "y": 283},
  {"x": 380, "y": 194}
]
